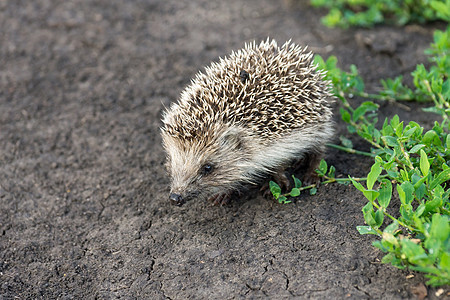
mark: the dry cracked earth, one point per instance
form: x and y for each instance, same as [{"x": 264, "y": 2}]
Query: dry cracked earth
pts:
[{"x": 84, "y": 210}]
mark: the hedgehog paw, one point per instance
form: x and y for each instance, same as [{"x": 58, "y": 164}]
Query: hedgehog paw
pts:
[
  {"x": 281, "y": 179},
  {"x": 265, "y": 191},
  {"x": 311, "y": 178},
  {"x": 220, "y": 199}
]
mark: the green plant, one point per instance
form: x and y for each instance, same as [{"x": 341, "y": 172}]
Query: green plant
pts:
[
  {"x": 429, "y": 85},
  {"x": 366, "y": 13},
  {"x": 411, "y": 164},
  {"x": 326, "y": 173},
  {"x": 415, "y": 161}
]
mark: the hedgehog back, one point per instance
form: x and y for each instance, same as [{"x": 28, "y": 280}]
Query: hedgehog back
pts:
[{"x": 266, "y": 89}]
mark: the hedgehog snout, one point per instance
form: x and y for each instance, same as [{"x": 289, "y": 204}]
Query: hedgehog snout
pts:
[{"x": 176, "y": 199}]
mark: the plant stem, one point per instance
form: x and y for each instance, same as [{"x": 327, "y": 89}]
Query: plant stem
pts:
[
  {"x": 393, "y": 218},
  {"x": 351, "y": 150},
  {"x": 406, "y": 155},
  {"x": 331, "y": 180}
]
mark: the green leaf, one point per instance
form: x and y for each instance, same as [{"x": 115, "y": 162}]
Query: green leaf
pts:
[
  {"x": 408, "y": 189},
  {"x": 404, "y": 175},
  {"x": 283, "y": 200},
  {"x": 331, "y": 171},
  {"x": 294, "y": 192},
  {"x": 442, "y": 177},
  {"x": 387, "y": 129},
  {"x": 318, "y": 60},
  {"x": 416, "y": 148},
  {"x": 323, "y": 167},
  {"x": 372, "y": 177},
  {"x": 401, "y": 194},
  {"x": 297, "y": 182},
  {"x": 371, "y": 195},
  {"x": 377, "y": 136},
  {"x": 390, "y": 258},
  {"x": 413, "y": 252},
  {"x": 447, "y": 141},
  {"x": 390, "y": 238},
  {"x": 432, "y": 205},
  {"x": 431, "y": 138},
  {"x": 415, "y": 124},
  {"x": 393, "y": 174},
  {"x": 274, "y": 189},
  {"x": 441, "y": 7},
  {"x": 445, "y": 261},
  {"x": 364, "y": 108},
  {"x": 395, "y": 121},
  {"x": 333, "y": 18},
  {"x": 437, "y": 128},
  {"x": 369, "y": 214},
  {"x": 379, "y": 217},
  {"x": 391, "y": 228},
  {"x": 420, "y": 190},
  {"x": 434, "y": 110},
  {"x": 351, "y": 128},
  {"x": 366, "y": 230},
  {"x": 385, "y": 193},
  {"x": 390, "y": 141},
  {"x": 420, "y": 209},
  {"x": 417, "y": 220},
  {"x": 399, "y": 129},
  {"x": 345, "y": 115},
  {"x": 358, "y": 185},
  {"x": 313, "y": 191},
  {"x": 440, "y": 227},
  {"x": 410, "y": 132},
  {"x": 379, "y": 245},
  {"x": 406, "y": 212},
  {"x": 331, "y": 62},
  {"x": 346, "y": 142},
  {"x": 424, "y": 163},
  {"x": 419, "y": 182}
]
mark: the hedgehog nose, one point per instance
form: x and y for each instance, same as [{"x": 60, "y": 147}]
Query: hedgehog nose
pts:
[{"x": 176, "y": 199}]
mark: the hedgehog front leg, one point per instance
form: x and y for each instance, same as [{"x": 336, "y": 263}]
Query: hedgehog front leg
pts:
[
  {"x": 281, "y": 178},
  {"x": 221, "y": 199},
  {"x": 313, "y": 159}
]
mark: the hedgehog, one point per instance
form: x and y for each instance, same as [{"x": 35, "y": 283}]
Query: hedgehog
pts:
[{"x": 247, "y": 118}]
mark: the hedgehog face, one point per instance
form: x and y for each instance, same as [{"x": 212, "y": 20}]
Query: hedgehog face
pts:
[{"x": 202, "y": 169}]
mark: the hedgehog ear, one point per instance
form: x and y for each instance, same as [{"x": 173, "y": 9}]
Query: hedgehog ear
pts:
[{"x": 233, "y": 138}]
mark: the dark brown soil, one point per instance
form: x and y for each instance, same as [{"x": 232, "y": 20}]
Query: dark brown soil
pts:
[{"x": 84, "y": 210}]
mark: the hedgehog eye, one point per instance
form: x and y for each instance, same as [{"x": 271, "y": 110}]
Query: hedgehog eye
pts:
[{"x": 206, "y": 169}]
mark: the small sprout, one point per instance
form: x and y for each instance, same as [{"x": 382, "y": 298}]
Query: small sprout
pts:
[
  {"x": 331, "y": 172},
  {"x": 297, "y": 182},
  {"x": 274, "y": 189},
  {"x": 294, "y": 192},
  {"x": 283, "y": 200},
  {"x": 323, "y": 167}
]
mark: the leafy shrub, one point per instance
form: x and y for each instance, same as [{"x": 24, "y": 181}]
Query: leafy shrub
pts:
[
  {"x": 411, "y": 164},
  {"x": 366, "y": 13}
]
